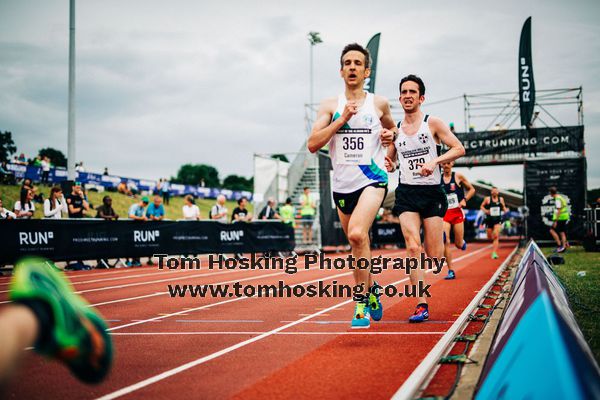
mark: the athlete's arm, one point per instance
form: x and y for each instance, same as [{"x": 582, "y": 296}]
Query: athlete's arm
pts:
[
  {"x": 456, "y": 149},
  {"x": 483, "y": 204},
  {"x": 323, "y": 128},
  {"x": 466, "y": 185},
  {"x": 391, "y": 157},
  {"x": 504, "y": 209},
  {"x": 389, "y": 132}
]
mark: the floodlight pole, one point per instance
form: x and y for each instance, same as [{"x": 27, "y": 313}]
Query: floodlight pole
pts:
[
  {"x": 313, "y": 39},
  {"x": 71, "y": 124}
]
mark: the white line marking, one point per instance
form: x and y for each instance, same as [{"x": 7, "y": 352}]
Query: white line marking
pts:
[
  {"x": 215, "y": 304},
  {"x": 202, "y": 360},
  {"x": 278, "y": 333}
]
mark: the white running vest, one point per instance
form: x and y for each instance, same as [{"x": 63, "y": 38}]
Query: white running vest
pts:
[
  {"x": 417, "y": 149},
  {"x": 357, "y": 156}
]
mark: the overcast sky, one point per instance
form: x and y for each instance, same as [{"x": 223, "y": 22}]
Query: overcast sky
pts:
[{"x": 160, "y": 84}]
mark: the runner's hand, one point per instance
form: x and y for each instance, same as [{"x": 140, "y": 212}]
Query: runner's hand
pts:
[
  {"x": 350, "y": 109},
  {"x": 387, "y": 137},
  {"x": 463, "y": 203},
  {"x": 390, "y": 166},
  {"x": 554, "y": 225},
  {"x": 427, "y": 168}
]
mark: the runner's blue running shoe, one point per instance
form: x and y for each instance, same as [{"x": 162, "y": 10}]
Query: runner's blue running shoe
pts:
[
  {"x": 451, "y": 275},
  {"x": 375, "y": 306},
  {"x": 464, "y": 245},
  {"x": 362, "y": 318},
  {"x": 421, "y": 314}
]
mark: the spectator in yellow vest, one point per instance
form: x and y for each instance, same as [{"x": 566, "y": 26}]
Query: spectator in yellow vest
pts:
[
  {"x": 560, "y": 219},
  {"x": 308, "y": 209}
]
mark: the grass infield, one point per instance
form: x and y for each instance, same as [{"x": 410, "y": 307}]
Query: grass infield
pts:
[
  {"x": 583, "y": 291},
  {"x": 120, "y": 202}
]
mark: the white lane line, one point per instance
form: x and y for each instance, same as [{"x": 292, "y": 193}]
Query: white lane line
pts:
[
  {"x": 224, "y": 321},
  {"x": 202, "y": 360},
  {"x": 129, "y": 277},
  {"x": 277, "y": 333},
  {"x": 163, "y": 293},
  {"x": 215, "y": 304}
]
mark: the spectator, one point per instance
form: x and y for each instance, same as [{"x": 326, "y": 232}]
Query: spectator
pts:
[
  {"x": 560, "y": 220},
  {"x": 202, "y": 183},
  {"x": 218, "y": 212},
  {"x": 105, "y": 173},
  {"x": 240, "y": 213},
  {"x": 268, "y": 212},
  {"x": 307, "y": 214},
  {"x": 452, "y": 127},
  {"x": 55, "y": 204},
  {"x": 6, "y": 176},
  {"x": 191, "y": 212},
  {"x": 79, "y": 167},
  {"x": 136, "y": 211},
  {"x": 27, "y": 184},
  {"x": 106, "y": 211},
  {"x": 76, "y": 202},
  {"x": 156, "y": 211},
  {"x": 45, "y": 164},
  {"x": 21, "y": 160},
  {"x": 123, "y": 189},
  {"x": 24, "y": 207},
  {"x": 165, "y": 191},
  {"x": 6, "y": 214},
  {"x": 287, "y": 213},
  {"x": 132, "y": 188}
]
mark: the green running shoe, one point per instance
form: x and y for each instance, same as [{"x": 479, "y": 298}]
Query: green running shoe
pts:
[
  {"x": 375, "y": 306},
  {"x": 74, "y": 332},
  {"x": 494, "y": 255},
  {"x": 362, "y": 318}
]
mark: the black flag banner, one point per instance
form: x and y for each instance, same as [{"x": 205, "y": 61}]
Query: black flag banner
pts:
[
  {"x": 526, "y": 83},
  {"x": 373, "y": 47}
]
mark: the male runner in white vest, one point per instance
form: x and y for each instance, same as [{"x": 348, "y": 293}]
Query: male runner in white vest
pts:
[
  {"x": 419, "y": 195},
  {"x": 357, "y": 126}
]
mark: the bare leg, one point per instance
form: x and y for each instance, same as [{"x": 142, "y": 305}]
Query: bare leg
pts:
[
  {"x": 447, "y": 252},
  {"x": 563, "y": 236},
  {"x": 434, "y": 244},
  {"x": 18, "y": 329},
  {"x": 496, "y": 238},
  {"x": 555, "y": 236},
  {"x": 459, "y": 235},
  {"x": 410, "y": 222},
  {"x": 356, "y": 227}
]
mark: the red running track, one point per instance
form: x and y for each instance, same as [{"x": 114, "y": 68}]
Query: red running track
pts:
[{"x": 254, "y": 347}]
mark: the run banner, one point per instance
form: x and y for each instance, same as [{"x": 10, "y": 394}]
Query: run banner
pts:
[
  {"x": 66, "y": 240},
  {"x": 526, "y": 83},
  {"x": 539, "y": 351},
  {"x": 373, "y": 47}
]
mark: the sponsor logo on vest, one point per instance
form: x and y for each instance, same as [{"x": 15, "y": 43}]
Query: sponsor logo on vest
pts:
[
  {"x": 525, "y": 81},
  {"x": 230, "y": 236},
  {"x": 145, "y": 236},
  {"x": 35, "y": 238}
]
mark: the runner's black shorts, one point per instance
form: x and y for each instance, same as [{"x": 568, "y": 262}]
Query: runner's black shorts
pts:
[
  {"x": 561, "y": 226},
  {"x": 427, "y": 200},
  {"x": 490, "y": 222},
  {"x": 346, "y": 202}
]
